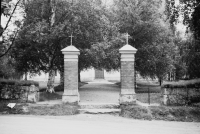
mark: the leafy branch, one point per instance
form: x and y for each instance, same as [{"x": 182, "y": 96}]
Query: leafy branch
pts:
[
  {"x": 11, "y": 15},
  {"x": 11, "y": 45}
]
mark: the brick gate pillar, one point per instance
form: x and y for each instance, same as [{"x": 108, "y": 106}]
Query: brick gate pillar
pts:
[
  {"x": 127, "y": 94},
  {"x": 70, "y": 94}
]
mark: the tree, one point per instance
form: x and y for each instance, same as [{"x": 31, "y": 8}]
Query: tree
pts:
[
  {"x": 144, "y": 21},
  {"x": 8, "y": 36},
  {"x": 149, "y": 34},
  {"x": 46, "y": 30},
  {"x": 190, "y": 11},
  {"x": 97, "y": 34},
  {"x": 105, "y": 55},
  {"x": 195, "y": 21},
  {"x": 195, "y": 49},
  {"x": 7, "y": 42},
  {"x": 38, "y": 46},
  {"x": 7, "y": 70}
]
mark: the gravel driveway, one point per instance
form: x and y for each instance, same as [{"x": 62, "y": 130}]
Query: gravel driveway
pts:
[{"x": 99, "y": 92}]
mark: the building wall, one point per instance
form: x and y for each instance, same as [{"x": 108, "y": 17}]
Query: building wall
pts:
[
  {"x": 112, "y": 75},
  {"x": 87, "y": 75}
]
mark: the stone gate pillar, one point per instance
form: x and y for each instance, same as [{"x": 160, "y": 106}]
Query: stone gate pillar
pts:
[
  {"x": 127, "y": 94},
  {"x": 70, "y": 94}
]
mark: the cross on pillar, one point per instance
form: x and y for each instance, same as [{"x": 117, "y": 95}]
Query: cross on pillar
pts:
[
  {"x": 127, "y": 35},
  {"x": 71, "y": 38}
]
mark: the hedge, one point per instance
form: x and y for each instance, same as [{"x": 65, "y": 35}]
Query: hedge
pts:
[
  {"x": 195, "y": 83},
  {"x": 19, "y": 83}
]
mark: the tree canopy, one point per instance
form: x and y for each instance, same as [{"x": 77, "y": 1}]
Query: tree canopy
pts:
[
  {"x": 38, "y": 40},
  {"x": 144, "y": 21},
  {"x": 98, "y": 34},
  {"x": 189, "y": 11}
]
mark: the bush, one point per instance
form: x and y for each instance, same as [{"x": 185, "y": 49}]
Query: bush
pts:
[
  {"x": 7, "y": 82},
  {"x": 27, "y": 83}
]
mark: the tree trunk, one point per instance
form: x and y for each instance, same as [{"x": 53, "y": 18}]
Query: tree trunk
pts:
[
  {"x": 174, "y": 75},
  {"x": 50, "y": 83},
  {"x": 52, "y": 72},
  {"x": 25, "y": 76},
  {"x": 53, "y": 7},
  {"x": 160, "y": 81}
]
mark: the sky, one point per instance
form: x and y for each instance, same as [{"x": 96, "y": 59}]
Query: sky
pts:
[
  {"x": 180, "y": 27},
  {"x": 15, "y": 17}
]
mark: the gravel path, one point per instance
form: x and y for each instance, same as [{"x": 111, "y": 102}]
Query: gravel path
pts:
[{"x": 99, "y": 91}]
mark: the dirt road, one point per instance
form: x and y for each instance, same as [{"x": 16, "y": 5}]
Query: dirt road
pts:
[{"x": 91, "y": 124}]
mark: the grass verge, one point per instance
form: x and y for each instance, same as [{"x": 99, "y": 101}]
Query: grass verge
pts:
[
  {"x": 18, "y": 109},
  {"x": 24, "y": 108},
  {"x": 55, "y": 110},
  {"x": 184, "y": 114}
]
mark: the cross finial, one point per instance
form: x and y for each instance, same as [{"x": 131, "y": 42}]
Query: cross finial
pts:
[
  {"x": 127, "y": 35},
  {"x": 71, "y": 38}
]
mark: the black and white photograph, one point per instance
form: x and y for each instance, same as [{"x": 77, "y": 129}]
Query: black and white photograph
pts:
[{"x": 100, "y": 67}]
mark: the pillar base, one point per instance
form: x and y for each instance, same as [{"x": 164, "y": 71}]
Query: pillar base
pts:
[
  {"x": 70, "y": 99},
  {"x": 127, "y": 99}
]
